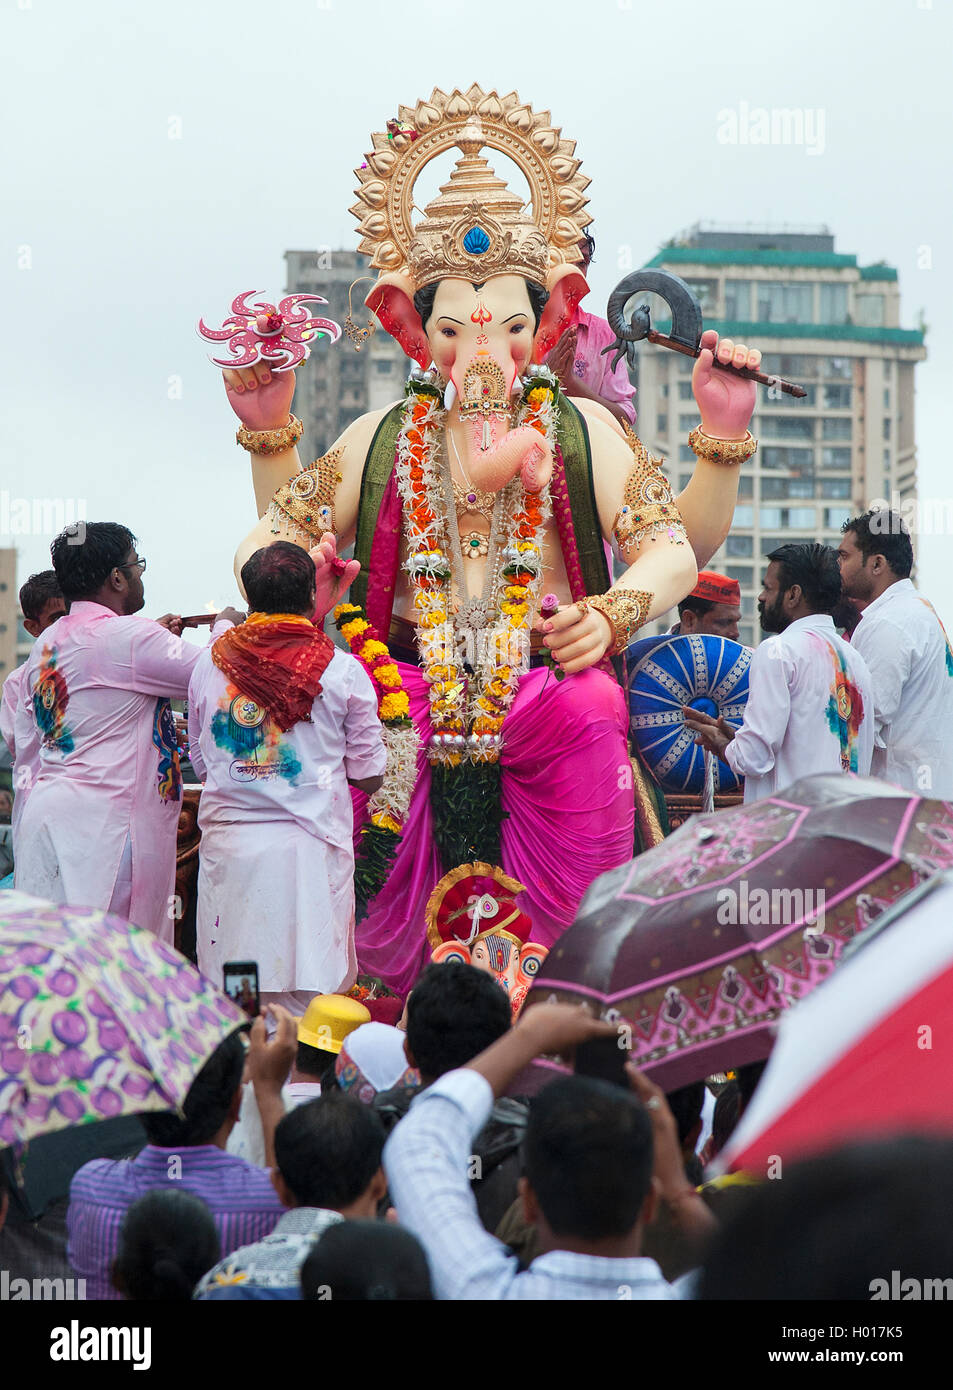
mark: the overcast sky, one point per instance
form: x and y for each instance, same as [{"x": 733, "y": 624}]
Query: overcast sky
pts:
[{"x": 117, "y": 237}]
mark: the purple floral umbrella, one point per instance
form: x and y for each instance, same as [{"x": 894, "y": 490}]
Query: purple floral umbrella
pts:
[{"x": 97, "y": 1019}]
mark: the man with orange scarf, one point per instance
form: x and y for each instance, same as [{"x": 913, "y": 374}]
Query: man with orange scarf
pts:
[{"x": 280, "y": 722}]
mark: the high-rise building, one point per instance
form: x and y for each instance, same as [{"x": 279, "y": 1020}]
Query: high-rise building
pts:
[
  {"x": 340, "y": 383},
  {"x": 825, "y": 322}
]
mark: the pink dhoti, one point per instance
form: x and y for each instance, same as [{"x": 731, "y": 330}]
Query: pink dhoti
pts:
[{"x": 567, "y": 792}]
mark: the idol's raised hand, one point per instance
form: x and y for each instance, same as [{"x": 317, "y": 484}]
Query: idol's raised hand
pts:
[
  {"x": 333, "y": 576},
  {"x": 260, "y": 397},
  {"x": 725, "y": 401}
]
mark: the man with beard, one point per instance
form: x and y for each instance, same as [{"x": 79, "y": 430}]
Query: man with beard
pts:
[
  {"x": 810, "y": 702},
  {"x": 906, "y": 648}
]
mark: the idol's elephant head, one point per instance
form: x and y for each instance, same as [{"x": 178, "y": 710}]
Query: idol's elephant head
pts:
[{"x": 513, "y": 965}]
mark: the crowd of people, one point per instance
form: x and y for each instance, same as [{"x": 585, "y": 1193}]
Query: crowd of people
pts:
[{"x": 328, "y": 1153}]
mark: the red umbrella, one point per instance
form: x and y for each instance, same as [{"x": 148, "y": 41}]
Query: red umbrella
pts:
[
  {"x": 870, "y": 1053},
  {"x": 700, "y": 944}
]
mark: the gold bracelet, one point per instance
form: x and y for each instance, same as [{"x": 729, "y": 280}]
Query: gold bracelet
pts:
[
  {"x": 724, "y": 451},
  {"x": 625, "y": 610},
  {"x": 271, "y": 441}
]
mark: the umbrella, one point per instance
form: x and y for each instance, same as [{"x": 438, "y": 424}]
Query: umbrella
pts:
[
  {"x": 699, "y": 945},
  {"x": 870, "y": 1053},
  {"x": 97, "y": 1019}
]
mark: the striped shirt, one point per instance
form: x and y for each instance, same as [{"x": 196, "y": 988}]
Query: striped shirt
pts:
[{"x": 241, "y": 1198}]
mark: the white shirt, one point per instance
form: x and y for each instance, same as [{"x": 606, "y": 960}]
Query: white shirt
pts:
[
  {"x": 810, "y": 709},
  {"x": 908, "y": 654},
  {"x": 426, "y": 1159},
  {"x": 26, "y": 755},
  {"x": 254, "y": 772}
]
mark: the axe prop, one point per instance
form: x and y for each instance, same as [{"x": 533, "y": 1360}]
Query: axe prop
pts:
[{"x": 687, "y": 324}]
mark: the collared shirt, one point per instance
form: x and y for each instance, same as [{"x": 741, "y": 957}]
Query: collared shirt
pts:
[
  {"x": 26, "y": 754},
  {"x": 96, "y": 695},
  {"x": 241, "y": 1198},
  {"x": 594, "y": 370},
  {"x": 908, "y": 653},
  {"x": 809, "y": 710},
  {"x": 271, "y": 1268},
  {"x": 426, "y": 1160}
]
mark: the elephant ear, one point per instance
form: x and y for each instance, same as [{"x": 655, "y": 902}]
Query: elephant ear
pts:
[
  {"x": 531, "y": 958},
  {"x": 451, "y": 951},
  {"x": 567, "y": 286},
  {"x": 392, "y": 302}
]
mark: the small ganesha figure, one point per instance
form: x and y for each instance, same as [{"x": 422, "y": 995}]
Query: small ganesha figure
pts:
[{"x": 472, "y": 916}]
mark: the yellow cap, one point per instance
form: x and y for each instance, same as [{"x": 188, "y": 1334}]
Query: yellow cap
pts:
[{"x": 328, "y": 1019}]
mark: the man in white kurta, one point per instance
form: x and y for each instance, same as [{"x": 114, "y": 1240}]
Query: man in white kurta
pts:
[
  {"x": 41, "y": 604},
  {"x": 99, "y": 829},
  {"x": 908, "y": 653},
  {"x": 276, "y": 875},
  {"x": 810, "y": 696}
]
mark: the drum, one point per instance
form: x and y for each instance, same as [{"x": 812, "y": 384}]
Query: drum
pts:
[{"x": 708, "y": 673}]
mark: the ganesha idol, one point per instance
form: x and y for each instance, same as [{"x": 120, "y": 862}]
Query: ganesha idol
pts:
[
  {"x": 484, "y": 489},
  {"x": 472, "y": 917}
]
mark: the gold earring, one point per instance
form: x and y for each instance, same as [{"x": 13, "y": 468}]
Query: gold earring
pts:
[{"x": 358, "y": 336}]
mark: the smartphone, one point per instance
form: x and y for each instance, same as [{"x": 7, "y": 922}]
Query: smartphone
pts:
[
  {"x": 241, "y": 985},
  {"x": 604, "y": 1060}
]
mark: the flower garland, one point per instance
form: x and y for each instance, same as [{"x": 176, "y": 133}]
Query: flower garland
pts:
[
  {"x": 467, "y": 716},
  {"x": 389, "y": 805}
]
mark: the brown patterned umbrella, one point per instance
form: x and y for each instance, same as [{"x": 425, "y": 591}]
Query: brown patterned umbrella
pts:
[{"x": 700, "y": 944}]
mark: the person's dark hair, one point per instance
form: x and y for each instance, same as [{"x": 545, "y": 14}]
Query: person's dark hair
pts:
[
  {"x": 699, "y": 606},
  {"x": 815, "y": 567},
  {"x": 883, "y": 532},
  {"x": 423, "y": 301},
  {"x": 588, "y": 1157},
  {"x": 686, "y": 1104},
  {"x": 86, "y": 553},
  {"x": 207, "y": 1104},
  {"x": 838, "y": 1222},
  {"x": 590, "y": 241},
  {"x": 748, "y": 1077},
  {"x": 454, "y": 1012},
  {"x": 315, "y": 1062},
  {"x": 167, "y": 1241},
  {"x": 36, "y": 593},
  {"x": 368, "y": 1262},
  {"x": 328, "y": 1150},
  {"x": 726, "y": 1116},
  {"x": 279, "y": 578}
]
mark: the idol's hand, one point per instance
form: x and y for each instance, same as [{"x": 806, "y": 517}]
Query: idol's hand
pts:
[
  {"x": 577, "y": 640},
  {"x": 260, "y": 397},
  {"x": 725, "y": 401},
  {"x": 333, "y": 576}
]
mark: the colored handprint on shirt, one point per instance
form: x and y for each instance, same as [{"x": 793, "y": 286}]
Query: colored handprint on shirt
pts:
[
  {"x": 50, "y": 698},
  {"x": 845, "y": 711},
  {"x": 244, "y": 728},
  {"x": 949, "y": 650},
  {"x": 163, "y": 736}
]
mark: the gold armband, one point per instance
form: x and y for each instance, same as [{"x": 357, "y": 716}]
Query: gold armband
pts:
[
  {"x": 305, "y": 504},
  {"x": 648, "y": 506},
  {"x": 724, "y": 451},
  {"x": 271, "y": 441},
  {"x": 625, "y": 610}
]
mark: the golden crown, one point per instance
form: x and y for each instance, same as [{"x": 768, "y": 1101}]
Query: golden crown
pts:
[{"x": 475, "y": 227}]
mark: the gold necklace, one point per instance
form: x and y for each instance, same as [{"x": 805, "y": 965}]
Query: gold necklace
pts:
[{"x": 468, "y": 498}]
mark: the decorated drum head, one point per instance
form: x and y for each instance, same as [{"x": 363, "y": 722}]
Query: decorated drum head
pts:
[{"x": 708, "y": 673}]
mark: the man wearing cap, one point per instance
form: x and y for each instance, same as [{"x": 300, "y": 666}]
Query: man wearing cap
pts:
[{"x": 713, "y": 607}]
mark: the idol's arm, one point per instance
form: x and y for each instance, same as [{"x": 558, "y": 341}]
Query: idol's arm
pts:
[{"x": 707, "y": 506}]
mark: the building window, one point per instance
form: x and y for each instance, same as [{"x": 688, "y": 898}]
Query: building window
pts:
[
  {"x": 804, "y": 517},
  {"x": 684, "y": 390},
  {"x": 706, "y": 292},
  {"x": 743, "y": 573},
  {"x": 747, "y": 605},
  {"x": 746, "y": 485},
  {"x": 837, "y": 397},
  {"x": 688, "y": 422},
  {"x": 383, "y": 367},
  {"x": 800, "y": 461},
  {"x": 834, "y": 517},
  {"x": 739, "y": 547},
  {"x": 886, "y": 427},
  {"x": 686, "y": 454},
  {"x": 837, "y": 427},
  {"x": 888, "y": 368},
  {"x": 833, "y": 303},
  {"x": 869, "y": 310},
  {"x": 661, "y": 423},
  {"x": 790, "y": 426},
  {"x": 746, "y": 634},
  {"x": 738, "y": 300},
  {"x": 836, "y": 459},
  {"x": 780, "y": 489},
  {"x": 790, "y": 364},
  {"x": 886, "y": 398},
  {"x": 785, "y": 303},
  {"x": 886, "y": 460},
  {"x": 686, "y": 365},
  {"x": 836, "y": 488},
  {"x": 744, "y": 516},
  {"x": 777, "y": 398},
  {"x": 771, "y": 516}
]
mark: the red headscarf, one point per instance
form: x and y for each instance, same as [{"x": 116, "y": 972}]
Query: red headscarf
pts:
[{"x": 277, "y": 660}]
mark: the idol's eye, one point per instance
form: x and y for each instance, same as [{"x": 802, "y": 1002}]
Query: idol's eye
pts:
[
  {"x": 517, "y": 327},
  {"x": 449, "y": 332}
]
